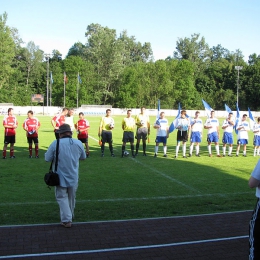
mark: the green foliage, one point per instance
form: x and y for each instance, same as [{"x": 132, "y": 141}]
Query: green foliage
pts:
[
  {"x": 120, "y": 71},
  {"x": 7, "y": 51}
]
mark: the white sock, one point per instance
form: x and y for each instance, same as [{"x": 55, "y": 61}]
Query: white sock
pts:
[
  {"x": 230, "y": 150},
  {"x": 255, "y": 152},
  {"x": 156, "y": 148},
  {"x": 197, "y": 149},
  {"x": 177, "y": 149},
  {"x": 184, "y": 149},
  {"x": 191, "y": 148},
  {"x": 224, "y": 150},
  {"x": 209, "y": 148},
  {"x": 165, "y": 149},
  {"x": 217, "y": 149}
]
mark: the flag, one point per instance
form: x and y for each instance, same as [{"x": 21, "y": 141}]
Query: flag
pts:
[
  {"x": 173, "y": 124},
  {"x": 79, "y": 79},
  {"x": 51, "y": 78},
  {"x": 65, "y": 78},
  {"x": 227, "y": 108},
  {"x": 158, "y": 109},
  {"x": 251, "y": 119},
  {"x": 237, "y": 119},
  {"x": 207, "y": 107}
]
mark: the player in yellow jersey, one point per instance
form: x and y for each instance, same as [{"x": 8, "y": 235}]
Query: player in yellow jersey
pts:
[
  {"x": 128, "y": 126},
  {"x": 106, "y": 126},
  {"x": 143, "y": 129}
]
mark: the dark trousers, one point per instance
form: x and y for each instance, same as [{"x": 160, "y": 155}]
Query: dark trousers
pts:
[{"x": 254, "y": 233}]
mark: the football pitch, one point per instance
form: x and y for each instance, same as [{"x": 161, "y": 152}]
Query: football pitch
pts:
[{"x": 125, "y": 188}]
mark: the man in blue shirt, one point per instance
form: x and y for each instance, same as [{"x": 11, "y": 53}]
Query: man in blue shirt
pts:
[{"x": 70, "y": 152}]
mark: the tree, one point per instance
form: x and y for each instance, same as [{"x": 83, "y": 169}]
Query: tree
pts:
[
  {"x": 195, "y": 50},
  {"x": 7, "y": 51}
]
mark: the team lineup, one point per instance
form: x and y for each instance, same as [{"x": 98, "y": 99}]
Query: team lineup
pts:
[{"x": 138, "y": 128}]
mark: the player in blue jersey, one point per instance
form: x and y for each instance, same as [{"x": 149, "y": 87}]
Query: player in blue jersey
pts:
[
  {"x": 242, "y": 136},
  {"x": 162, "y": 134},
  {"x": 183, "y": 126},
  {"x": 212, "y": 124},
  {"x": 256, "y": 143},
  {"x": 196, "y": 134},
  {"x": 228, "y": 126}
]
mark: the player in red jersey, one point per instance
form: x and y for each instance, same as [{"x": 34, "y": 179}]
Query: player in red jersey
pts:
[
  {"x": 82, "y": 127},
  {"x": 10, "y": 123},
  {"x": 59, "y": 120},
  {"x": 31, "y": 126}
]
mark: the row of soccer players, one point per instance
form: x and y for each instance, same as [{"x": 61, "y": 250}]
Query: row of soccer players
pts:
[
  {"x": 141, "y": 126},
  {"x": 186, "y": 130}
]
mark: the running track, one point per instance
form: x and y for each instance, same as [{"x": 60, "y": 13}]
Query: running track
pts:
[{"x": 213, "y": 236}]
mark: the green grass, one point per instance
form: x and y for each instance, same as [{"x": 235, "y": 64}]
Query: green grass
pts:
[{"x": 125, "y": 188}]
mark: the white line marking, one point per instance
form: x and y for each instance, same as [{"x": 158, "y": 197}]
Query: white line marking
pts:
[
  {"x": 126, "y": 248},
  {"x": 130, "y": 199},
  {"x": 93, "y": 138},
  {"x": 167, "y": 176},
  {"x": 130, "y": 220}
]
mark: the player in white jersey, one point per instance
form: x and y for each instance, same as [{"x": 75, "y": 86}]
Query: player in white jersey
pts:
[
  {"x": 196, "y": 134},
  {"x": 228, "y": 126},
  {"x": 212, "y": 124},
  {"x": 242, "y": 136},
  {"x": 183, "y": 126},
  {"x": 162, "y": 134},
  {"x": 256, "y": 143}
]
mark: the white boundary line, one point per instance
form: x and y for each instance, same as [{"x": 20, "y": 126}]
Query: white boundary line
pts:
[
  {"x": 129, "y": 199},
  {"x": 130, "y": 220},
  {"x": 126, "y": 248}
]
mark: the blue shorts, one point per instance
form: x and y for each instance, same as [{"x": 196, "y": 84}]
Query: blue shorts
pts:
[
  {"x": 227, "y": 138},
  {"x": 242, "y": 141},
  {"x": 256, "y": 140},
  {"x": 213, "y": 137},
  {"x": 161, "y": 139},
  {"x": 195, "y": 137}
]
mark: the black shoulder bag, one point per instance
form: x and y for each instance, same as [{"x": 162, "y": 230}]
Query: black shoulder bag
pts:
[{"x": 52, "y": 178}]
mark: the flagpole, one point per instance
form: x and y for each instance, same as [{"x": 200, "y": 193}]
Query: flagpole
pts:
[
  {"x": 50, "y": 88},
  {"x": 78, "y": 91},
  {"x": 64, "y": 103}
]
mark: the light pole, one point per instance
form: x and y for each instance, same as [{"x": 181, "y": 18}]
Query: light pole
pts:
[
  {"x": 47, "y": 58},
  {"x": 238, "y": 68}
]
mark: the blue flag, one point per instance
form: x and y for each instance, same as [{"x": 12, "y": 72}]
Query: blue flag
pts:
[
  {"x": 228, "y": 109},
  {"x": 158, "y": 108},
  {"x": 251, "y": 119},
  {"x": 173, "y": 124},
  {"x": 51, "y": 78},
  {"x": 79, "y": 79},
  {"x": 237, "y": 119},
  {"x": 207, "y": 108}
]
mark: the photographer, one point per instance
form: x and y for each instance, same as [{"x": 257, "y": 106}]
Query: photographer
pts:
[{"x": 70, "y": 152}]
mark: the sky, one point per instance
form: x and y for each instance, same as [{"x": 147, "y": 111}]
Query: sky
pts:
[{"x": 59, "y": 24}]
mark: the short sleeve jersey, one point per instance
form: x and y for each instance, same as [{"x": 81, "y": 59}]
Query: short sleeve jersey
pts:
[
  {"x": 196, "y": 125},
  {"x": 212, "y": 122},
  {"x": 143, "y": 119},
  {"x": 230, "y": 127},
  {"x": 128, "y": 124},
  {"x": 256, "y": 129},
  {"x": 164, "y": 126},
  {"x": 30, "y": 124},
  {"x": 183, "y": 124},
  {"x": 243, "y": 133},
  {"x": 105, "y": 123},
  {"x": 83, "y": 124},
  {"x": 59, "y": 119},
  {"x": 10, "y": 121}
]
